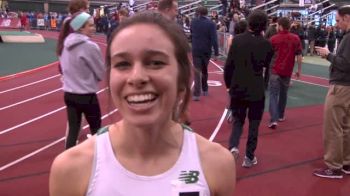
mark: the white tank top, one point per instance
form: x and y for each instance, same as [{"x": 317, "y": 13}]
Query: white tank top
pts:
[{"x": 110, "y": 178}]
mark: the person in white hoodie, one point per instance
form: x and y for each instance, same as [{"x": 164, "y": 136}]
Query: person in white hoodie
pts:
[{"x": 82, "y": 68}]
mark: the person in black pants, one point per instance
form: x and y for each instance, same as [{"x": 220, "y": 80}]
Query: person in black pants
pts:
[
  {"x": 204, "y": 37},
  {"x": 82, "y": 69},
  {"x": 246, "y": 76}
]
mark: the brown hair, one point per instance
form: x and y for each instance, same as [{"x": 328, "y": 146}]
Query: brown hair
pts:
[
  {"x": 284, "y": 23},
  {"x": 178, "y": 39},
  {"x": 77, "y": 5},
  {"x": 74, "y": 6},
  {"x": 65, "y": 31},
  {"x": 123, "y": 12},
  {"x": 344, "y": 10},
  {"x": 165, "y": 4}
]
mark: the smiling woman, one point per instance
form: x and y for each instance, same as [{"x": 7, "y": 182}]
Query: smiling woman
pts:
[{"x": 148, "y": 152}]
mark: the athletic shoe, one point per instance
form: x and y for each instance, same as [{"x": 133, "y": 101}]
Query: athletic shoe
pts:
[
  {"x": 346, "y": 169},
  {"x": 272, "y": 125},
  {"x": 249, "y": 163},
  {"x": 235, "y": 153},
  {"x": 195, "y": 98},
  {"x": 329, "y": 173},
  {"x": 281, "y": 119}
]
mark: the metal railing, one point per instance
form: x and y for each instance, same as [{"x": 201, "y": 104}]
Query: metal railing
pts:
[
  {"x": 321, "y": 17},
  {"x": 264, "y": 4},
  {"x": 142, "y": 6},
  {"x": 189, "y": 9},
  {"x": 321, "y": 10},
  {"x": 224, "y": 40}
]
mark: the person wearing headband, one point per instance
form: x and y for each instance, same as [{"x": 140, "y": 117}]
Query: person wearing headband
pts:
[{"x": 82, "y": 69}]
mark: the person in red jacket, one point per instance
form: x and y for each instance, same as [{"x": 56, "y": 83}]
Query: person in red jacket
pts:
[
  {"x": 23, "y": 19},
  {"x": 286, "y": 46}
]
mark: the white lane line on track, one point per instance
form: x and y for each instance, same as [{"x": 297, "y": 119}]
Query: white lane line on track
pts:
[
  {"x": 27, "y": 100},
  {"x": 19, "y": 87},
  {"x": 45, "y": 147},
  {"x": 302, "y": 81},
  {"x": 32, "y": 120},
  {"x": 218, "y": 126},
  {"x": 218, "y": 66},
  {"x": 39, "y": 117},
  {"x": 318, "y": 77}
]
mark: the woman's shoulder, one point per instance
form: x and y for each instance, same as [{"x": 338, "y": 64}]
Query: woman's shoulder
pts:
[
  {"x": 213, "y": 151},
  {"x": 218, "y": 165},
  {"x": 70, "y": 171}
]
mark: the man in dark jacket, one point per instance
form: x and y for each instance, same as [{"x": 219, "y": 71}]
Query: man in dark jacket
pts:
[
  {"x": 336, "y": 131},
  {"x": 246, "y": 76},
  {"x": 272, "y": 29},
  {"x": 312, "y": 38},
  {"x": 203, "y": 39}
]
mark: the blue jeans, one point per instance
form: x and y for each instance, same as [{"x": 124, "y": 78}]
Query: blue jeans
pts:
[{"x": 278, "y": 96}]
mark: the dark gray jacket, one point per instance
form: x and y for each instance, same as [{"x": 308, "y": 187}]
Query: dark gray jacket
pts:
[{"x": 340, "y": 63}]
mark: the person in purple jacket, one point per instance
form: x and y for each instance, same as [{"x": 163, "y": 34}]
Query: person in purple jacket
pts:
[{"x": 82, "y": 69}]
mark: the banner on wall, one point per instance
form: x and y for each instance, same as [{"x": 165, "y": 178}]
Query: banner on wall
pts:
[
  {"x": 11, "y": 23},
  {"x": 40, "y": 22},
  {"x": 301, "y": 3}
]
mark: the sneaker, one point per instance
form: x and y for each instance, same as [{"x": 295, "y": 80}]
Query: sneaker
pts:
[
  {"x": 329, "y": 173},
  {"x": 235, "y": 152},
  {"x": 281, "y": 119},
  {"x": 272, "y": 125},
  {"x": 195, "y": 98},
  {"x": 346, "y": 169},
  {"x": 249, "y": 163},
  {"x": 205, "y": 93}
]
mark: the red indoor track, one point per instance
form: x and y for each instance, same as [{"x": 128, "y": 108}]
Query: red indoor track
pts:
[{"x": 33, "y": 124}]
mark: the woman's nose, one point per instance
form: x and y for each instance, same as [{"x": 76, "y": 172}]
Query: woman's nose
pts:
[{"x": 138, "y": 75}]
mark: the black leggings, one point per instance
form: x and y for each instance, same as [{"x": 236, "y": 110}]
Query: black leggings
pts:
[{"x": 78, "y": 104}]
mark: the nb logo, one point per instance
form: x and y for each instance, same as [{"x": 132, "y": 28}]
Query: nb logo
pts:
[{"x": 189, "y": 177}]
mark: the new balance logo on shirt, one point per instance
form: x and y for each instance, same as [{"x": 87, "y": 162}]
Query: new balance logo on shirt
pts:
[{"x": 189, "y": 177}]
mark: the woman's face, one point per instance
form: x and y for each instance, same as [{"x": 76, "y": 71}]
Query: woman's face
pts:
[
  {"x": 143, "y": 76},
  {"x": 89, "y": 28}
]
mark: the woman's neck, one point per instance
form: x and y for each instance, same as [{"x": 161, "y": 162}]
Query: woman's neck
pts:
[{"x": 146, "y": 140}]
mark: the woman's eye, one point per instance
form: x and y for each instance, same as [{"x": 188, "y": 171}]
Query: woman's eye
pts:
[
  {"x": 122, "y": 65},
  {"x": 156, "y": 63}
]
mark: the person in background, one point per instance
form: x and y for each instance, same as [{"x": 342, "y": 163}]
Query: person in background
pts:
[
  {"x": 336, "y": 124},
  {"x": 146, "y": 152},
  {"x": 122, "y": 15},
  {"x": 272, "y": 29},
  {"x": 286, "y": 47},
  {"x": 298, "y": 30},
  {"x": 311, "y": 35},
  {"x": 187, "y": 27},
  {"x": 246, "y": 74},
  {"x": 23, "y": 19},
  {"x": 168, "y": 8},
  {"x": 74, "y": 6},
  {"x": 204, "y": 38},
  {"x": 82, "y": 67},
  {"x": 240, "y": 27},
  {"x": 331, "y": 39}
]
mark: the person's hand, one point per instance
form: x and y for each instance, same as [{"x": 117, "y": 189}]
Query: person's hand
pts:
[{"x": 322, "y": 51}]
